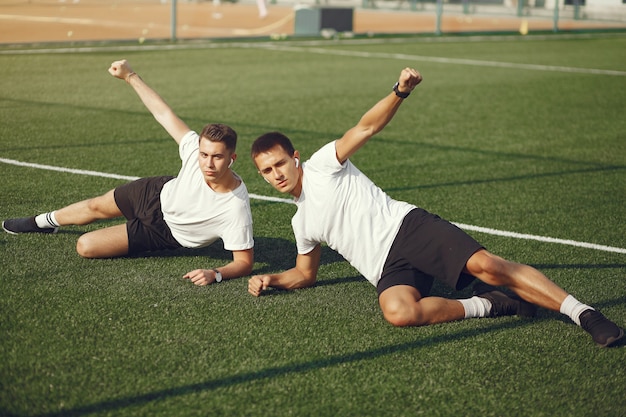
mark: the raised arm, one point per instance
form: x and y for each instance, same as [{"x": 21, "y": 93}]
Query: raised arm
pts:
[
  {"x": 377, "y": 117},
  {"x": 304, "y": 274},
  {"x": 153, "y": 102}
]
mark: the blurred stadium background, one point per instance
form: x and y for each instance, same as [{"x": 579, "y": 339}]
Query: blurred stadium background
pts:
[{"x": 34, "y": 21}]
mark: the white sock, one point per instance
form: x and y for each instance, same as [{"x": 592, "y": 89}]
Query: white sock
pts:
[
  {"x": 476, "y": 307},
  {"x": 572, "y": 307},
  {"x": 47, "y": 220}
]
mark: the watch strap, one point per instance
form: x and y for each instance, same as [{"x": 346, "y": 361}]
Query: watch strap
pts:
[{"x": 398, "y": 92}]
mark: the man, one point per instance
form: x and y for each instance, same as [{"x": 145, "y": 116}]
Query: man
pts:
[
  {"x": 396, "y": 246},
  {"x": 205, "y": 202}
]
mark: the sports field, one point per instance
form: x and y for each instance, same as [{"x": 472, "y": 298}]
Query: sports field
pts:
[
  {"x": 519, "y": 140},
  {"x": 148, "y": 20}
]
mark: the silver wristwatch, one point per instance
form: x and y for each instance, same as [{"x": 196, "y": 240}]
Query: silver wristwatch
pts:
[{"x": 218, "y": 275}]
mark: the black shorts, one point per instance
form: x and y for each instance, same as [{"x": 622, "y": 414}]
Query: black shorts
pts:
[
  {"x": 427, "y": 248},
  {"x": 140, "y": 202}
]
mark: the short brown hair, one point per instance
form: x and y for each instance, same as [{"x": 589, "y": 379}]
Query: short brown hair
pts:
[
  {"x": 267, "y": 141},
  {"x": 218, "y": 132}
]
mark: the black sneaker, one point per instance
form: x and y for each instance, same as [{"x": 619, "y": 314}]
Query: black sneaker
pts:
[
  {"x": 504, "y": 304},
  {"x": 603, "y": 331},
  {"x": 25, "y": 225}
]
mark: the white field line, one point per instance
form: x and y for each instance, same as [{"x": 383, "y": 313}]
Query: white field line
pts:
[
  {"x": 480, "y": 229},
  {"x": 455, "y": 61},
  {"x": 309, "y": 47}
]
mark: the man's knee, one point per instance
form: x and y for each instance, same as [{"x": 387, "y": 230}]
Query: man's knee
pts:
[
  {"x": 489, "y": 267},
  {"x": 98, "y": 206},
  {"x": 84, "y": 247},
  {"x": 401, "y": 313}
]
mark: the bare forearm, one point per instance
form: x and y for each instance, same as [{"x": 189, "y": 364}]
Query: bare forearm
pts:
[
  {"x": 232, "y": 270},
  {"x": 241, "y": 265},
  {"x": 153, "y": 101},
  {"x": 290, "y": 279},
  {"x": 372, "y": 122},
  {"x": 235, "y": 269},
  {"x": 376, "y": 118},
  {"x": 383, "y": 111}
]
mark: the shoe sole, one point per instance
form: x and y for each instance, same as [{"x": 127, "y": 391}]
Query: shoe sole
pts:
[{"x": 7, "y": 230}]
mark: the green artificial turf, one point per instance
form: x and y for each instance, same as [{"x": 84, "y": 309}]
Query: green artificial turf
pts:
[{"x": 533, "y": 147}]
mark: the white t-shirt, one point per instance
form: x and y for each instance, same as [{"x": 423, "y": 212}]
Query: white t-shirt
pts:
[
  {"x": 343, "y": 208},
  {"x": 196, "y": 214}
]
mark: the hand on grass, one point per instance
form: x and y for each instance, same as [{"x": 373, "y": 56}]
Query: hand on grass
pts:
[
  {"x": 257, "y": 284},
  {"x": 200, "y": 276}
]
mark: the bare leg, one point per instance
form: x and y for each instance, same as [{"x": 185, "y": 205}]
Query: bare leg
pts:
[
  {"x": 524, "y": 280},
  {"x": 88, "y": 211},
  {"x": 104, "y": 243},
  {"x": 403, "y": 305}
]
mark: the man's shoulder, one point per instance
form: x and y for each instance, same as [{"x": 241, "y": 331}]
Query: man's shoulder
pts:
[
  {"x": 190, "y": 141},
  {"x": 324, "y": 160},
  {"x": 191, "y": 134}
]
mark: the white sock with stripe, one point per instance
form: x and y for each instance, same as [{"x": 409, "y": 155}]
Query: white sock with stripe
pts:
[{"x": 47, "y": 220}]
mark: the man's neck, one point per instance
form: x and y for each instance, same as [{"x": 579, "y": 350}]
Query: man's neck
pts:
[
  {"x": 297, "y": 190},
  {"x": 227, "y": 184}
]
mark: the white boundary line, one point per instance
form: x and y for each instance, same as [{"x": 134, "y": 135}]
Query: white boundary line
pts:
[
  {"x": 309, "y": 47},
  {"x": 67, "y": 170},
  {"x": 289, "y": 201},
  {"x": 541, "y": 238},
  {"x": 441, "y": 60}
]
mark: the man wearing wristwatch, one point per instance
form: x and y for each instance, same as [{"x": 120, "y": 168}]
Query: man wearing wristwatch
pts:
[
  {"x": 205, "y": 202},
  {"x": 397, "y": 246}
]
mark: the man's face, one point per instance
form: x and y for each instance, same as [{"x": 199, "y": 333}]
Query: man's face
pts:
[
  {"x": 213, "y": 159},
  {"x": 280, "y": 170}
]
